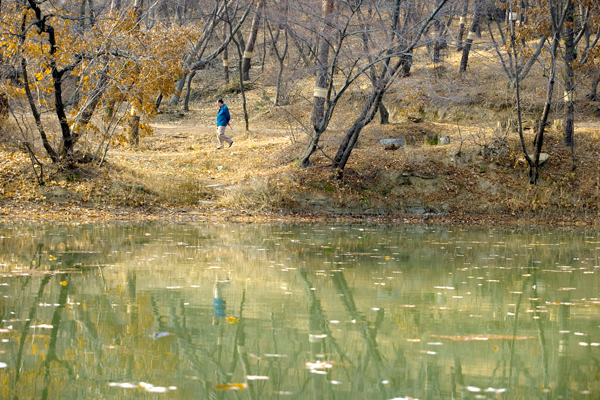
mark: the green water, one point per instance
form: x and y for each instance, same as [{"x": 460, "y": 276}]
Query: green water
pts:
[{"x": 239, "y": 311}]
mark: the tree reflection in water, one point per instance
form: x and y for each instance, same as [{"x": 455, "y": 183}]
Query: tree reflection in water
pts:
[{"x": 352, "y": 312}]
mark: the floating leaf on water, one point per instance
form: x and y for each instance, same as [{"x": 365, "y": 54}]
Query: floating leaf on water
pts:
[
  {"x": 42, "y": 326},
  {"x": 321, "y": 336},
  {"x": 232, "y": 320},
  {"x": 161, "y": 334},
  {"x": 318, "y": 365},
  {"x": 124, "y": 385},
  {"x": 157, "y": 389},
  {"x": 497, "y": 391},
  {"x": 460, "y": 338},
  {"x": 318, "y": 371},
  {"x": 257, "y": 378},
  {"x": 232, "y": 386}
]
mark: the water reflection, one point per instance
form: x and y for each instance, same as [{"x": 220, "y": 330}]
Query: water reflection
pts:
[{"x": 299, "y": 312}]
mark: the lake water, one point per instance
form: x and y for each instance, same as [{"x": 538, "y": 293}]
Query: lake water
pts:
[{"x": 239, "y": 311}]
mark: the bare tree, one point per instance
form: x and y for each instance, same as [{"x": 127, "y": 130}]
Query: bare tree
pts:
[
  {"x": 197, "y": 59},
  {"x": 389, "y": 71},
  {"x": 391, "y": 58},
  {"x": 558, "y": 15}
]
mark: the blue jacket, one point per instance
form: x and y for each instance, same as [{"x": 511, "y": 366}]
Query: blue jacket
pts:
[{"x": 223, "y": 116}]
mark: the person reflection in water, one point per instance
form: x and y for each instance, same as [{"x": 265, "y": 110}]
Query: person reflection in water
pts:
[{"x": 219, "y": 305}]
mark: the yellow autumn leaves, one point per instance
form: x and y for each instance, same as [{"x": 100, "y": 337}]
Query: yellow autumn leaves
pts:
[{"x": 139, "y": 62}]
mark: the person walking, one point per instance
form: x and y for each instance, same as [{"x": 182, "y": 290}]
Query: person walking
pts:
[{"x": 223, "y": 118}]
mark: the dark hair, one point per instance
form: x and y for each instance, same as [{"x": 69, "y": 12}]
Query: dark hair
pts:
[{"x": 220, "y": 101}]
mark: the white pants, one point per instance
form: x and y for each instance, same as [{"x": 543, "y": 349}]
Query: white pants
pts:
[{"x": 222, "y": 137}]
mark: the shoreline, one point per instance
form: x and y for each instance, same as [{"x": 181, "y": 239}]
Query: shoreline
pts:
[{"x": 71, "y": 214}]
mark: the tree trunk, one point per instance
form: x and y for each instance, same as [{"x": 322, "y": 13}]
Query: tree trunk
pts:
[
  {"x": 569, "y": 80},
  {"x": 538, "y": 142},
  {"x": 593, "y": 94},
  {"x": 134, "y": 140},
  {"x": 3, "y": 106},
  {"x": 36, "y": 114},
  {"x": 439, "y": 41},
  {"x": 225, "y": 57},
  {"x": 188, "y": 93},
  {"x": 462, "y": 24},
  {"x": 320, "y": 93},
  {"x": 311, "y": 148},
  {"x": 242, "y": 89},
  {"x": 281, "y": 60},
  {"x": 366, "y": 116},
  {"x": 178, "y": 89},
  {"x": 470, "y": 37},
  {"x": 247, "y": 57},
  {"x": 275, "y": 38},
  {"x": 384, "y": 114}
]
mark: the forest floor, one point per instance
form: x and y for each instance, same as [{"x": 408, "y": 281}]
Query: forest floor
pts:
[{"x": 176, "y": 174}]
